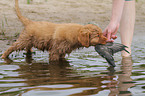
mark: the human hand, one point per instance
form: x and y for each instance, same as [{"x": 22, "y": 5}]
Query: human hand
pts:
[{"x": 110, "y": 32}]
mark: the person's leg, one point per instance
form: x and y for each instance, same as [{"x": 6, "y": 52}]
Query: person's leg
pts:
[{"x": 127, "y": 25}]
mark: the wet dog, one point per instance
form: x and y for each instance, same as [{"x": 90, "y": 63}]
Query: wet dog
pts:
[{"x": 58, "y": 39}]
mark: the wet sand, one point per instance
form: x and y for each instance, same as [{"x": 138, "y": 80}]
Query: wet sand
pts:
[{"x": 60, "y": 11}]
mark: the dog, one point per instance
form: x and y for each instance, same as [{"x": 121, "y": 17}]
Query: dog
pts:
[{"x": 57, "y": 39}]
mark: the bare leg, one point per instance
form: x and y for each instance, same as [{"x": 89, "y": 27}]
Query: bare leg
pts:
[{"x": 127, "y": 25}]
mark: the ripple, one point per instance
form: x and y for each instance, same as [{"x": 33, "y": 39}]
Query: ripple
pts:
[
  {"x": 12, "y": 85},
  {"x": 84, "y": 73}
]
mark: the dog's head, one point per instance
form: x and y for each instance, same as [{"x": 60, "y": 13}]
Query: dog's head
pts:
[{"x": 91, "y": 35}]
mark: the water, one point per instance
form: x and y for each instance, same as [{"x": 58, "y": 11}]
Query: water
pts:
[{"x": 84, "y": 74}]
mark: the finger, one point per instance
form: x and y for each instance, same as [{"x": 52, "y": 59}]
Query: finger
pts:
[
  {"x": 110, "y": 40},
  {"x": 113, "y": 36},
  {"x": 105, "y": 32},
  {"x": 109, "y": 35}
]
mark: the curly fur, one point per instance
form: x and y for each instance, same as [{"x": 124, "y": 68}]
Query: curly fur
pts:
[{"x": 58, "y": 39}]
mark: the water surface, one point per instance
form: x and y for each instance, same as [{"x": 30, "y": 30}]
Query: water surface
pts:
[{"x": 84, "y": 73}]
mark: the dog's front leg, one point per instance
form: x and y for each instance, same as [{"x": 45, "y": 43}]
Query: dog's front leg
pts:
[
  {"x": 59, "y": 50},
  {"x": 53, "y": 55}
]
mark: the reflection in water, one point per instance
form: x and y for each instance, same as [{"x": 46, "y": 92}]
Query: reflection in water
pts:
[
  {"x": 61, "y": 78},
  {"x": 124, "y": 79},
  {"x": 42, "y": 74}
]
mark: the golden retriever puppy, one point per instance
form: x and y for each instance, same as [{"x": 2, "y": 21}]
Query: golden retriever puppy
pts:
[{"x": 58, "y": 39}]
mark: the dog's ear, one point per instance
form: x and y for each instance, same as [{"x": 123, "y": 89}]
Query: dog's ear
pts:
[{"x": 84, "y": 37}]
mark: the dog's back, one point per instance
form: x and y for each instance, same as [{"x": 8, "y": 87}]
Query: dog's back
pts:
[{"x": 46, "y": 30}]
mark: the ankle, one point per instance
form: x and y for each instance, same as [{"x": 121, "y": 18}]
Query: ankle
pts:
[{"x": 125, "y": 54}]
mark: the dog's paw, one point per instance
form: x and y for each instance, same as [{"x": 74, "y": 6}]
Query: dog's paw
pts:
[{"x": 3, "y": 57}]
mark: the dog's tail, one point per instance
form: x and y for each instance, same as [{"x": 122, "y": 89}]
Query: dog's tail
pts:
[{"x": 23, "y": 19}]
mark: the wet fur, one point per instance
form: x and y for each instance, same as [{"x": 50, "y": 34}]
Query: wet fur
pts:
[{"x": 58, "y": 39}]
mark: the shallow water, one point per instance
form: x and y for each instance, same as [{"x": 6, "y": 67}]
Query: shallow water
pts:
[{"x": 84, "y": 73}]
